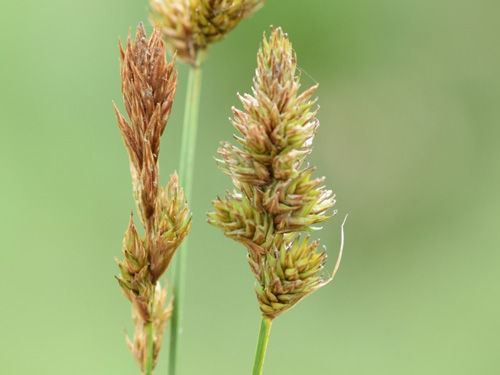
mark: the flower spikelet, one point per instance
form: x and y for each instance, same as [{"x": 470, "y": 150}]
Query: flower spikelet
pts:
[
  {"x": 276, "y": 196},
  {"x": 172, "y": 222},
  {"x": 191, "y": 26},
  {"x": 148, "y": 86},
  {"x": 161, "y": 315},
  {"x": 135, "y": 279}
]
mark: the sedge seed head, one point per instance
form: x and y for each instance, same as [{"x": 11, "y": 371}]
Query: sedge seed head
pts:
[
  {"x": 148, "y": 86},
  {"x": 276, "y": 196},
  {"x": 190, "y": 26}
]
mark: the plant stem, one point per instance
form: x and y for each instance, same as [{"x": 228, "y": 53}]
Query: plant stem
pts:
[
  {"x": 148, "y": 357},
  {"x": 186, "y": 169},
  {"x": 260, "y": 353}
]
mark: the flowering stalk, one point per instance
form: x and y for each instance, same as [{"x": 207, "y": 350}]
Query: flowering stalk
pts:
[
  {"x": 189, "y": 27},
  {"x": 186, "y": 170},
  {"x": 276, "y": 197},
  {"x": 148, "y": 86}
]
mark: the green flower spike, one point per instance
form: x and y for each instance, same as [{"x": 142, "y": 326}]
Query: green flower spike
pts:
[{"x": 276, "y": 196}]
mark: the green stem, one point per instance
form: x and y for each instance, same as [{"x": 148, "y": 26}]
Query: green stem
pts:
[
  {"x": 148, "y": 357},
  {"x": 186, "y": 171},
  {"x": 260, "y": 353}
]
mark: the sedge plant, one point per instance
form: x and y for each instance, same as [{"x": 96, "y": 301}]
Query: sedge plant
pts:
[{"x": 276, "y": 198}]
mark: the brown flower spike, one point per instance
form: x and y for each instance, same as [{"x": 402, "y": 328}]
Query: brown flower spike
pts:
[
  {"x": 276, "y": 196},
  {"x": 190, "y": 26},
  {"x": 148, "y": 87}
]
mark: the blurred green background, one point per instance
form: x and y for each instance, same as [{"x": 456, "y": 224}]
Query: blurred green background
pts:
[{"x": 410, "y": 114}]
